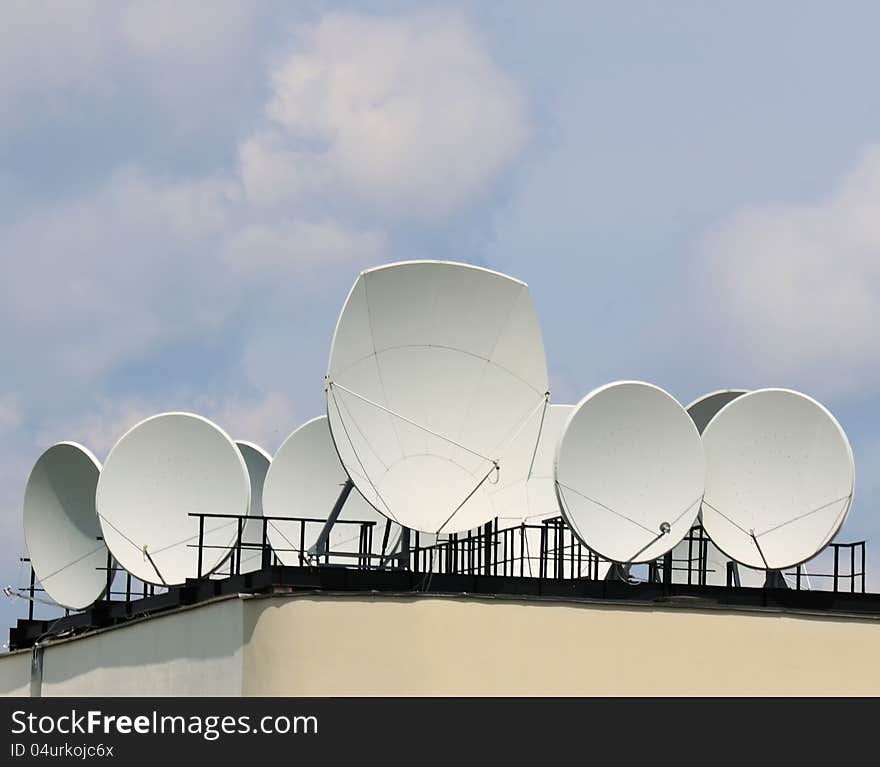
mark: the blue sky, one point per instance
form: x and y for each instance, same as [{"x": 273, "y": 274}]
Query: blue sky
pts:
[{"x": 691, "y": 189}]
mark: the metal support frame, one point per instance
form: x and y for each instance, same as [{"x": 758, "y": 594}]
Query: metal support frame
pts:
[{"x": 320, "y": 547}]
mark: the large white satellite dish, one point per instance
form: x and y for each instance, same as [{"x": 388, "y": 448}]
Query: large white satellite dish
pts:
[
  {"x": 61, "y": 527},
  {"x": 703, "y": 409},
  {"x": 157, "y": 475},
  {"x": 629, "y": 471},
  {"x": 436, "y": 387},
  {"x": 534, "y": 498},
  {"x": 257, "y": 461},
  {"x": 780, "y": 478},
  {"x": 305, "y": 481}
]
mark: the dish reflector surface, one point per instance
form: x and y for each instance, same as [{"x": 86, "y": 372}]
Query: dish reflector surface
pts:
[
  {"x": 703, "y": 409},
  {"x": 305, "y": 481},
  {"x": 435, "y": 389},
  {"x": 257, "y": 462},
  {"x": 162, "y": 470},
  {"x": 779, "y": 479},
  {"x": 629, "y": 471},
  {"x": 534, "y": 499},
  {"x": 61, "y": 527}
]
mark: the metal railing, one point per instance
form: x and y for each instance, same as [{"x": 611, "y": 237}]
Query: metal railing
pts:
[{"x": 547, "y": 550}]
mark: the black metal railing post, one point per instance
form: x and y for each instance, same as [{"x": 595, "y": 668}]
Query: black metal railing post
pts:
[
  {"x": 31, "y": 591},
  {"x": 265, "y": 551},
  {"x": 240, "y": 527},
  {"x": 201, "y": 544},
  {"x": 109, "y": 576},
  {"x": 836, "y": 564}
]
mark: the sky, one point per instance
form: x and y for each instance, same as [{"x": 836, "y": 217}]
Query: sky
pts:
[{"x": 691, "y": 190}]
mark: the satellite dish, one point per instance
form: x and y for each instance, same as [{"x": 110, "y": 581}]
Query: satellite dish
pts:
[
  {"x": 257, "y": 462},
  {"x": 780, "y": 477},
  {"x": 306, "y": 481},
  {"x": 703, "y": 409},
  {"x": 436, "y": 386},
  {"x": 629, "y": 471},
  {"x": 61, "y": 527},
  {"x": 534, "y": 499},
  {"x": 157, "y": 475}
]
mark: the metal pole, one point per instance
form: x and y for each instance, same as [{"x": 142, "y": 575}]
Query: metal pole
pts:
[
  {"x": 522, "y": 544},
  {"x": 201, "y": 543},
  {"x": 488, "y": 548},
  {"x": 109, "y": 576},
  {"x": 836, "y": 566},
  {"x": 238, "y": 547},
  {"x": 863, "y": 567},
  {"x": 265, "y": 551},
  {"x": 852, "y": 568},
  {"x": 32, "y": 589},
  {"x": 324, "y": 536}
]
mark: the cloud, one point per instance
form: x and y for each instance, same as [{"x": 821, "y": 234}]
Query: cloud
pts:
[
  {"x": 11, "y": 416},
  {"x": 58, "y": 58},
  {"x": 793, "y": 290},
  {"x": 266, "y": 418},
  {"x": 213, "y": 287},
  {"x": 47, "y": 55},
  {"x": 98, "y": 280},
  {"x": 415, "y": 117},
  {"x": 146, "y": 262},
  {"x": 298, "y": 248},
  {"x": 406, "y": 116}
]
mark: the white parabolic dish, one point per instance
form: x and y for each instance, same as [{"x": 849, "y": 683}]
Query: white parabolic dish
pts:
[
  {"x": 257, "y": 461},
  {"x": 159, "y": 473},
  {"x": 629, "y": 471},
  {"x": 304, "y": 481},
  {"x": 435, "y": 390},
  {"x": 61, "y": 527},
  {"x": 779, "y": 479},
  {"x": 535, "y": 499}
]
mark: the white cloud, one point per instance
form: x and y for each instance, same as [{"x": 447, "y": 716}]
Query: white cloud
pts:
[
  {"x": 415, "y": 117},
  {"x": 109, "y": 278},
  {"x": 11, "y": 415},
  {"x": 265, "y": 418},
  {"x": 793, "y": 290},
  {"x": 50, "y": 44},
  {"x": 297, "y": 247},
  {"x": 54, "y": 57},
  {"x": 102, "y": 291},
  {"x": 406, "y": 116},
  {"x": 101, "y": 279}
]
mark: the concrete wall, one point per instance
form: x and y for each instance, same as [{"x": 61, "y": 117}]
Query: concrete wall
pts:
[
  {"x": 191, "y": 652},
  {"x": 15, "y": 674},
  {"x": 463, "y": 646},
  {"x": 402, "y": 645}
]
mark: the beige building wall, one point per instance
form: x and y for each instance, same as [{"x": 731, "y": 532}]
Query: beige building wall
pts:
[
  {"x": 470, "y": 646},
  {"x": 432, "y": 645},
  {"x": 197, "y": 651},
  {"x": 15, "y": 674}
]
